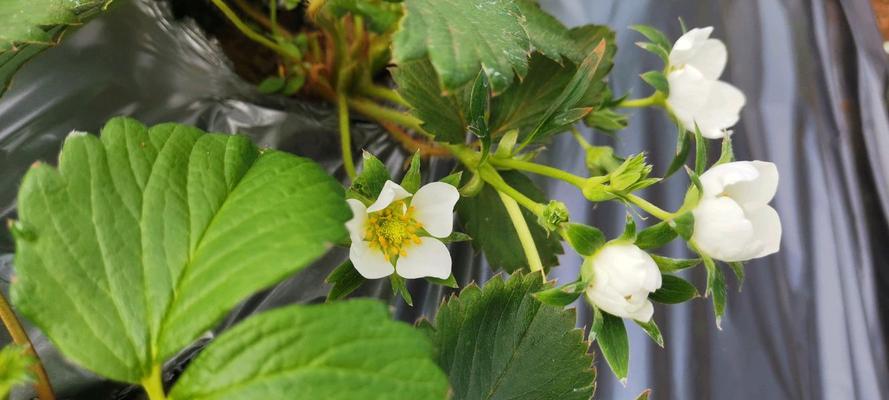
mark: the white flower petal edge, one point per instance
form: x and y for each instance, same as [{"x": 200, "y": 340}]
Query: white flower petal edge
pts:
[
  {"x": 355, "y": 226},
  {"x": 713, "y": 106},
  {"x": 733, "y": 221},
  {"x": 697, "y": 49},
  {"x": 370, "y": 263},
  {"x": 429, "y": 258},
  {"x": 623, "y": 276},
  {"x": 434, "y": 208},
  {"x": 391, "y": 192}
]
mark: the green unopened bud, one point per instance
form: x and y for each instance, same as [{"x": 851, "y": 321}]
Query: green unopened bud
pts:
[
  {"x": 595, "y": 189},
  {"x": 606, "y": 120},
  {"x": 554, "y": 215},
  {"x": 507, "y": 144},
  {"x": 473, "y": 187}
]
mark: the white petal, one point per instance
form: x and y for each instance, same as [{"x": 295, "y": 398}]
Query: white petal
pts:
[
  {"x": 434, "y": 208},
  {"x": 369, "y": 262},
  {"x": 723, "y": 231},
  {"x": 429, "y": 258},
  {"x": 695, "y": 48},
  {"x": 391, "y": 192},
  {"x": 767, "y": 225},
  {"x": 688, "y": 94},
  {"x": 722, "y": 109},
  {"x": 644, "y": 313},
  {"x": 359, "y": 218},
  {"x": 751, "y": 184}
]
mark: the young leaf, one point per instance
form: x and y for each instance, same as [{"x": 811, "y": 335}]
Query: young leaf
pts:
[
  {"x": 343, "y": 350},
  {"x": 369, "y": 183},
  {"x": 652, "y": 331},
  {"x": 657, "y": 80},
  {"x": 716, "y": 287},
  {"x": 674, "y": 290},
  {"x": 15, "y": 368},
  {"x": 194, "y": 222},
  {"x": 666, "y": 264},
  {"x": 561, "y": 296},
  {"x": 655, "y": 236},
  {"x": 345, "y": 279},
  {"x": 411, "y": 180},
  {"x": 272, "y": 84},
  {"x": 461, "y": 37},
  {"x": 498, "y": 342},
  {"x": 486, "y": 220},
  {"x": 615, "y": 345},
  {"x": 655, "y": 36},
  {"x": 584, "y": 239}
]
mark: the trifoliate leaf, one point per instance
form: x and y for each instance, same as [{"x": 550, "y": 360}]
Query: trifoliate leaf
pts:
[
  {"x": 443, "y": 115},
  {"x": 345, "y": 280},
  {"x": 343, "y": 350},
  {"x": 674, "y": 290},
  {"x": 462, "y": 37},
  {"x": 485, "y": 219},
  {"x": 381, "y": 16},
  {"x": 143, "y": 239},
  {"x": 15, "y": 368},
  {"x": 498, "y": 342},
  {"x": 548, "y": 35}
]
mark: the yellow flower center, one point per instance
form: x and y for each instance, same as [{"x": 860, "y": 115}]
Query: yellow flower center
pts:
[{"x": 392, "y": 229}]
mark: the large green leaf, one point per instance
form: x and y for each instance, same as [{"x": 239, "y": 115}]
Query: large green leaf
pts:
[
  {"x": 381, "y": 15},
  {"x": 30, "y": 26},
  {"x": 548, "y": 35},
  {"x": 498, "y": 342},
  {"x": 340, "y": 351},
  {"x": 142, "y": 240},
  {"x": 462, "y": 37},
  {"x": 485, "y": 219},
  {"x": 443, "y": 115}
]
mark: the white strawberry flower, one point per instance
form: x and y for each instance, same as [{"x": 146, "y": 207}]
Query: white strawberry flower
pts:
[
  {"x": 733, "y": 220},
  {"x": 621, "y": 277},
  {"x": 697, "y": 97},
  {"x": 399, "y": 232}
]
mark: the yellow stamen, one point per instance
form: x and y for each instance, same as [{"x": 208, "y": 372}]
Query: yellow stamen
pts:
[{"x": 392, "y": 229}]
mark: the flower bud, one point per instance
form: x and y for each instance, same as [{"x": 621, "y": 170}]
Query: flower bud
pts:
[
  {"x": 554, "y": 215},
  {"x": 619, "y": 277}
]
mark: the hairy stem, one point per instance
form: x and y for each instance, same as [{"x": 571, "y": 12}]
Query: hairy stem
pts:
[
  {"x": 250, "y": 33},
  {"x": 381, "y": 113},
  {"x": 580, "y": 139},
  {"x": 521, "y": 228},
  {"x": 345, "y": 136},
  {"x": 20, "y": 337},
  {"x": 154, "y": 384},
  {"x": 383, "y": 93},
  {"x": 539, "y": 169},
  {"x": 412, "y": 144},
  {"x": 652, "y": 209},
  {"x": 655, "y": 99}
]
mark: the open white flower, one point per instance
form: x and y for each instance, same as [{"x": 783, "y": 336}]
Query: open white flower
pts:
[
  {"x": 390, "y": 235},
  {"x": 697, "y": 49},
  {"x": 697, "y": 96},
  {"x": 623, "y": 275},
  {"x": 733, "y": 221}
]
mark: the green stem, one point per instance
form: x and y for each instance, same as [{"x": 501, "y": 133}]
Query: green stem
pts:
[
  {"x": 580, "y": 139},
  {"x": 649, "y": 208},
  {"x": 273, "y": 14},
  {"x": 655, "y": 99},
  {"x": 250, "y": 33},
  {"x": 540, "y": 169},
  {"x": 154, "y": 384},
  {"x": 381, "y": 113},
  {"x": 471, "y": 158},
  {"x": 345, "y": 136},
  {"x": 524, "y": 234},
  {"x": 384, "y": 93},
  {"x": 20, "y": 337}
]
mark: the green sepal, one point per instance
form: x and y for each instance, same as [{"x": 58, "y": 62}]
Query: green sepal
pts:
[
  {"x": 654, "y": 35},
  {"x": 411, "y": 179},
  {"x": 584, "y": 239},
  {"x": 674, "y": 290},
  {"x": 399, "y": 287},
  {"x": 345, "y": 280},
  {"x": 716, "y": 288},
  {"x": 455, "y": 237},
  {"x": 655, "y": 236},
  {"x": 507, "y": 144},
  {"x": 450, "y": 282},
  {"x": 651, "y": 329},
  {"x": 727, "y": 153},
  {"x": 657, "y": 80},
  {"x": 667, "y": 264},
  {"x": 738, "y": 268},
  {"x": 684, "y": 225},
  {"x": 629, "y": 234},
  {"x": 369, "y": 183},
  {"x": 561, "y": 296},
  {"x": 657, "y": 50},
  {"x": 701, "y": 157},
  {"x": 683, "y": 148},
  {"x": 453, "y": 179},
  {"x": 473, "y": 186},
  {"x": 615, "y": 345},
  {"x": 554, "y": 215}
]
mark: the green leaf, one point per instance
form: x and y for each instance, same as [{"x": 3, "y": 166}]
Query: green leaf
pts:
[
  {"x": 451, "y": 282},
  {"x": 498, "y": 342},
  {"x": 584, "y": 239},
  {"x": 443, "y": 115},
  {"x": 674, "y": 290},
  {"x": 15, "y": 368},
  {"x": 369, "y": 183},
  {"x": 480, "y": 112},
  {"x": 193, "y": 222},
  {"x": 716, "y": 288},
  {"x": 615, "y": 345},
  {"x": 666, "y": 264},
  {"x": 293, "y": 85},
  {"x": 381, "y": 16},
  {"x": 548, "y": 35},
  {"x": 485, "y": 219},
  {"x": 645, "y": 394},
  {"x": 345, "y": 280},
  {"x": 561, "y": 296},
  {"x": 272, "y": 84},
  {"x": 655, "y": 36},
  {"x": 652, "y": 331},
  {"x": 655, "y": 236},
  {"x": 343, "y": 350},
  {"x": 462, "y": 37},
  {"x": 411, "y": 180},
  {"x": 657, "y": 80},
  {"x": 28, "y": 27},
  {"x": 684, "y": 225}
]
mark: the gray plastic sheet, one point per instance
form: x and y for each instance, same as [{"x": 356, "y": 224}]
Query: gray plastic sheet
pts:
[{"x": 809, "y": 321}]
